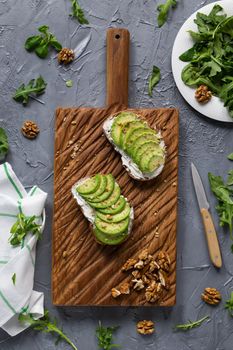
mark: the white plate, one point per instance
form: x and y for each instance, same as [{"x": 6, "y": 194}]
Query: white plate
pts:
[{"x": 214, "y": 109}]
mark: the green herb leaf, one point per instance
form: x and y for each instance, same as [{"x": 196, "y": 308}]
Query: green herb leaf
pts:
[
  {"x": 104, "y": 336},
  {"x": 22, "y": 227},
  {"x": 13, "y": 278},
  {"x": 35, "y": 86},
  {"x": 191, "y": 324},
  {"x": 46, "y": 325},
  {"x": 164, "y": 10},
  {"x": 154, "y": 79},
  {"x": 41, "y": 43},
  {"x": 69, "y": 83},
  {"x": 78, "y": 13},
  {"x": 224, "y": 195},
  {"x": 230, "y": 156},
  {"x": 4, "y": 145},
  {"x": 229, "y": 304},
  {"x": 210, "y": 58}
]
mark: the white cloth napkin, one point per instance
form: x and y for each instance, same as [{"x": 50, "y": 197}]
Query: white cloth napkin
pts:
[{"x": 18, "y": 297}]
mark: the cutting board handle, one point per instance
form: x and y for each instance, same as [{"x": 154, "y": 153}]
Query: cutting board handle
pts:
[{"x": 117, "y": 66}]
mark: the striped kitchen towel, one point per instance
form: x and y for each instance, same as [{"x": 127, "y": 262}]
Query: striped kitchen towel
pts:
[{"x": 16, "y": 293}]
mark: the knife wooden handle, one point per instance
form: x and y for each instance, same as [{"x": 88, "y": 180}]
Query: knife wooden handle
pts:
[
  {"x": 117, "y": 66},
  {"x": 212, "y": 239}
]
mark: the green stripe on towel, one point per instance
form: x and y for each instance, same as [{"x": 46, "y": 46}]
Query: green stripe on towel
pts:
[
  {"x": 29, "y": 250},
  {"x": 7, "y": 302},
  {"x": 12, "y": 181}
]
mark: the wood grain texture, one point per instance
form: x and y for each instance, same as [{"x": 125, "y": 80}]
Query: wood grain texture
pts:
[
  {"x": 212, "y": 238},
  {"x": 117, "y": 66},
  {"x": 83, "y": 271}
]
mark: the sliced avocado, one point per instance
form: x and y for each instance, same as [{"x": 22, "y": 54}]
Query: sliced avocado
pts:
[
  {"x": 144, "y": 161},
  {"x": 109, "y": 201},
  {"x": 140, "y": 141},
  {"x": 117, "y": 217},
  {"x": 129, "y": 126},
  {"x": 90, "y": 185},
  {"x": 154, "y": 163},
  {"x": 147, "y": 148},
  {"x": 119, "y": 122},
  {"x": 112, "y": 228},
  {"x": 108, "y": 240},
  {"x": 115, "y": 208},
  {"x": 100, "y": 190},
  {"x": 107, "y": 191},
  {"x": 147, "y": 133}
]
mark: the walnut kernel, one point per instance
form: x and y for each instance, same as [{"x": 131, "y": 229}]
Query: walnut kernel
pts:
[
  {"x": 211, "y": 296},
  {"x": 30, "y": 129},
  {"x": 65, "y": 56},
  {"x": 145, "y": 327},
  {"x": 203, "y": 94}
]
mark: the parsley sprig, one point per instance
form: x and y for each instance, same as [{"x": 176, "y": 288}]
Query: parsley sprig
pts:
[
  {"x": 164, "y": 10},
  {"x": 34, "y": 87},
  {"x": 78, "y": 13},
  {"x": 42, "y": 42},
  {"x": 22, "y": 227},
  {"x": 191, "y": 324},
  {"x": 154, "y": 79},
  {"x": 4, "y": 146},
  {"x": 46, "y": 325},
  {"x": 229, "y": 304},
  {"x": 224, "y": 194},
  {"x": 104, "y": 336}
]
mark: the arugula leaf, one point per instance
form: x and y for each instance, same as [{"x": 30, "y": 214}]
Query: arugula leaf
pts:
[
  {"x": 78, "y": 13},
  {"x": 224, "y": 194},
  {"x": 14, "y": 278},
  {"x": 41, "y": 43},
  {"x": 230, "y": 156},
  {"x": 191, "y": 324},
  {"x": 211, "y": 57},
  {"x": 229, "y": 304},
  {"x": 154, "y": 79},
  {"x": 230, "y": 178},
  {"x": 46, "y": 325},
  {"x": 22, "y": 227},
  {"x": 35, "y": 86},
  {"x": 163, "y": 10},
  {"x": 4, "y": 145},
  {"x": 104, "y": 336}
]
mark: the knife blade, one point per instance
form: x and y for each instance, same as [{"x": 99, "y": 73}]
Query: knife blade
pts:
[{"x": 211, "y": 235}]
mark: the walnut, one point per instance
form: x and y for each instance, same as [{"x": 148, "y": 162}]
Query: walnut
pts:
[
  {"x": 153, "y": 266},
  {"x": 138, "y": 284},
  {"x": 164, "y": 280},
  {"x": 65, "y": 56},
  {"x": 164, "y": 261},
  {"x": 139, "y": 265},
  {"x": 115, "y": 293},
  {"x": 129, "y": 265},
  {"x": 146, "y": 280},
  {"x": 124, "y": 288},
  {"x": 203, "y": 94},
  {"x": 30, "y": 129},
  {"x": 145, "y": 327},
  {"x": 145, "y": 257},
  {"x": 211, "y": 296},
  {"x": 136, "y": 274},
  {"x": 153, "y": 292}
]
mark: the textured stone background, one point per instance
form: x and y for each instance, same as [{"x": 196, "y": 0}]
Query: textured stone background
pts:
[{"x": 201, "y": 140}]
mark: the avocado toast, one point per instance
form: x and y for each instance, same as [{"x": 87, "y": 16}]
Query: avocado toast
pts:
[
  {"x": 141, "y": 147},
  {"x": 105, "y": 208}
]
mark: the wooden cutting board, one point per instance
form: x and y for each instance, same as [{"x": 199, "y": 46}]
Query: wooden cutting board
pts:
[{"x": 84, "y": 272}]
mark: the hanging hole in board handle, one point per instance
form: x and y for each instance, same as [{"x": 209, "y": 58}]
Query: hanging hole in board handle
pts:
[{"x": 117, "y": 36}]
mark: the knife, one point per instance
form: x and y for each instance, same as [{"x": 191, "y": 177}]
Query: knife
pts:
[{"x": 211, "y": 235}]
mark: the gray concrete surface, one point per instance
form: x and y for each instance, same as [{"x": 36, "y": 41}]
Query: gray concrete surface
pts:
[{"x": 201, "y": 140}]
